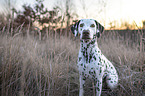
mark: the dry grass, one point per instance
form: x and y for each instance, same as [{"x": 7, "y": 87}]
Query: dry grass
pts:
[
  {"x": 129, "y": 61},
  {"x": 30, "y": 67}
]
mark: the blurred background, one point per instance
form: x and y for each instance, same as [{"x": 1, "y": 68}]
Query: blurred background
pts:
[{"x": 113, "y": 14}]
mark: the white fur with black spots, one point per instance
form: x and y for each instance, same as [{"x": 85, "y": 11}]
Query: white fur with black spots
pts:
[{"x": 91, "y": 62}]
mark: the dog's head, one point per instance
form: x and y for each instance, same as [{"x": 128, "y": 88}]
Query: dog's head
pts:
[{"x": 87, "y": 28}]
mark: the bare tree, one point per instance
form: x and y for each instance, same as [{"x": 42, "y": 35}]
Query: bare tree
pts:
[
  {"x": 7, "y": 6},
  {"x": 68, "y": 13},
  {"x": 84, "y": 7},
  {"x": 92, "y": 8},
  {"x": 143, "y": 22}
]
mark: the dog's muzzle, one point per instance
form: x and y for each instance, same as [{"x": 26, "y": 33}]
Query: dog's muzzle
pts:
[{"x": 86, "y": 34}]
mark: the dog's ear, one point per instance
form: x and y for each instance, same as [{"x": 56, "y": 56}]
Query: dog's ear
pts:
[
  {"x": 74, "y": 28},
  {"x": 99, "y": 28}
]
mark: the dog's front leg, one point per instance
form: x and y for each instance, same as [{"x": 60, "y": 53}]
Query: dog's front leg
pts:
[
  {"x": 98, "y": 86},
  {"x": 81, "y": 86}
]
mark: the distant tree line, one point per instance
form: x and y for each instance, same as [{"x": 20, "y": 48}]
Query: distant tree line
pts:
[{"x": 40, "y": 16}]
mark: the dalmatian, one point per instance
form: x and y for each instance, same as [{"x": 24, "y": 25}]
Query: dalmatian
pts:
[{"x": 91, "y": 62}]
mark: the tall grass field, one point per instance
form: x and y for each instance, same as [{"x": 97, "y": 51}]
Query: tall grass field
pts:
[{"x": 33, "y": 67}]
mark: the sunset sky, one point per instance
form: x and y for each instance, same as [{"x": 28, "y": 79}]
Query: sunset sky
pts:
[{"x": 114, "y": 10}]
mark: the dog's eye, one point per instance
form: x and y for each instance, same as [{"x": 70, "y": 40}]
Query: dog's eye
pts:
[
  {"x": 81, "y": 25},
  {"x": 92, "y": 25}
]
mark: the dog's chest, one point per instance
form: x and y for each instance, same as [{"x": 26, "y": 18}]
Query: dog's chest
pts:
[{"x": 89, "y": 61}]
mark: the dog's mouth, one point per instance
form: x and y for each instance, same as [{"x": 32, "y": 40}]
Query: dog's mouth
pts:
[{"x": 86, "y": 37}]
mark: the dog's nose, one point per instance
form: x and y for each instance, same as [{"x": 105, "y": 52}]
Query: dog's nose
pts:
[{"x": 86, "y": 32}]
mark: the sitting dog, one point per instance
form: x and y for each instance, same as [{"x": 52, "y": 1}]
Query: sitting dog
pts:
[{"x": 91, "y": 62}]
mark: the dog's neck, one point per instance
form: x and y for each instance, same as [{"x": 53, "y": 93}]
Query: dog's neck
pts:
[
  {"x": 87, "y": 49},
  {"x": 89, "y": 43}
]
